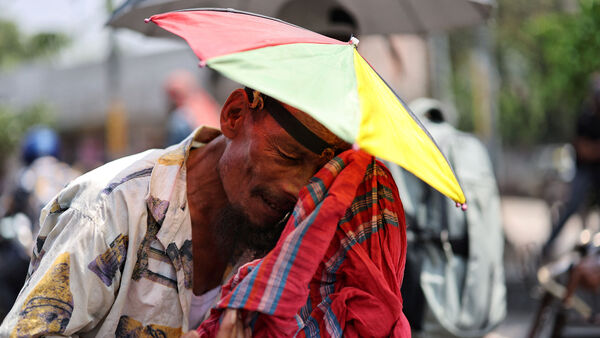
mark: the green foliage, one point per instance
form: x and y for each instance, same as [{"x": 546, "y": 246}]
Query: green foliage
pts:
[
  {"x": 545, "y": 58},
  {"x": 561, "y": 52},
  {"x": 16, "y": 47}
]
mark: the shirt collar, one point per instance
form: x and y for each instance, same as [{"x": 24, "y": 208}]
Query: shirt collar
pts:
[{"x": 167, "y": 183}]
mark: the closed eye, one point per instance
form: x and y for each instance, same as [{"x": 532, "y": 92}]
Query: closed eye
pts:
[
  {"x": 287, "y": 157},
  {"x": 292, "y": 157}
]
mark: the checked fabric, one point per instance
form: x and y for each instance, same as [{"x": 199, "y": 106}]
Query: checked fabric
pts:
[{"x": 338, "y": 266}]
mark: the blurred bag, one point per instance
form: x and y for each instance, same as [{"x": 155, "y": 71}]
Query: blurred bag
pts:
[{"x": 455, "y": 257}]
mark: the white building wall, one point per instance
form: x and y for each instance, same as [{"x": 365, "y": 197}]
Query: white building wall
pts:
[{"x": 81, "y": 95}]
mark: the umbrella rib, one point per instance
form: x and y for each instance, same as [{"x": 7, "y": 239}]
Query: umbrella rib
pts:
[{"x": 408, "y": 6}]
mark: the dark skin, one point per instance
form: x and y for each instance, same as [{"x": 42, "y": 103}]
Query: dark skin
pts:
[
  {"x": 204, "y": 202},
  {"x": 256, "y": 166}
]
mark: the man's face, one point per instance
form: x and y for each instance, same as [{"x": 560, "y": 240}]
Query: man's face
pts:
[{"x": 263, "y": 168}]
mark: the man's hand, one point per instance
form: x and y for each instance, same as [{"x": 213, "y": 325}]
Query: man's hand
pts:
[{"x": 231, "y": 327}]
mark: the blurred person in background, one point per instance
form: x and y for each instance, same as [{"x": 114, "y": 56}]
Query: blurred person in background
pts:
[
  {"x": 586, "y": 183},
  {"x": 42, "y": 176},
  {"x": 190, "y": 106},
  {"x": 454, "y": 278}
]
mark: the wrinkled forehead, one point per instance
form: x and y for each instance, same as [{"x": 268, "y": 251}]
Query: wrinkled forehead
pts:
[{"x": 301, "y": 126}]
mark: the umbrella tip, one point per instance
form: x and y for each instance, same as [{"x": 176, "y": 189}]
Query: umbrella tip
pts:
[
  {"x": 202, "y": 64},
  {"x": 463, "y": 206},
  {"x": 353, "y": 41},
  {"x": 146, "y": 20}
]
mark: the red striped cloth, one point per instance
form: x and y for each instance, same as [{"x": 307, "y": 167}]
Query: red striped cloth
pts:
[{"x": 338, "y": 266}]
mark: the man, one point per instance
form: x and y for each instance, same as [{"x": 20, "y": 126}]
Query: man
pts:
[
  {"x": 124, "y": 249},
  {"x": 587, "y": 147}
]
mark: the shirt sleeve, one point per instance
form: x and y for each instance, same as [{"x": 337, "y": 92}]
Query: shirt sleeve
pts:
[{"x": 61, "y": 296}]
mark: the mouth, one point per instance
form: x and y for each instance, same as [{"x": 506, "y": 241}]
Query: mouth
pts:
[
  {"x": 272, "y": 205},
  {"x": 278, "y": 208},
  {"x": 278, "y": 205}
]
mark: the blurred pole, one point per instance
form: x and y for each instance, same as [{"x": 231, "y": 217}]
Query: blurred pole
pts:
[
  {"x": 116, "y": 116},
  {"x": 440, "y": 68},
  {"x": 484, "y": 87}
]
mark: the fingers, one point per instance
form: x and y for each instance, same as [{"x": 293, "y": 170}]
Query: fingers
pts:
[
  {"x": 239, "y": 325},
  {"x": 231, "y": 325},
  {"x": 191, "y": 334}
]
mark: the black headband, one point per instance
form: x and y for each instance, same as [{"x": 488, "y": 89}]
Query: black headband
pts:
[{"x": 291, "y": 125}]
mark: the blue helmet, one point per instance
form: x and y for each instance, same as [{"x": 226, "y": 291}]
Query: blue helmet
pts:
[{"x": 39, "y": 141}]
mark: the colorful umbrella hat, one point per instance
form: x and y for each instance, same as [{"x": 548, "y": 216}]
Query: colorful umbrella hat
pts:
[{"x": 324, "y": 77}]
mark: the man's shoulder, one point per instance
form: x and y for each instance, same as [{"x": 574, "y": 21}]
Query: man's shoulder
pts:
[{"x": 104, "y": 180}]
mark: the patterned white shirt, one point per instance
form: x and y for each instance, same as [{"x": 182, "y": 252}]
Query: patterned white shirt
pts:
[{"x": 114, "y": 252}]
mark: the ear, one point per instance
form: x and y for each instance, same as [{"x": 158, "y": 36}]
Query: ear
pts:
[{"x": 234, "y": 112}]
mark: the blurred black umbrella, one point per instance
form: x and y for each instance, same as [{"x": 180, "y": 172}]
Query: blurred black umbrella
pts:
[{"x": 330, "y": 17}]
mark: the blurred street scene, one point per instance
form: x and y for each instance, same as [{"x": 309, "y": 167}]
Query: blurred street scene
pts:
[{"x": 515, "y": 74}]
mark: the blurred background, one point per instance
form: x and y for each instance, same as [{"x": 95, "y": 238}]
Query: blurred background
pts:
[{"x": 516, "y": 74}]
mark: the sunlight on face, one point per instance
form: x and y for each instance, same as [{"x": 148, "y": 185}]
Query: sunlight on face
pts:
[{"x": 264, "y": 169}]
